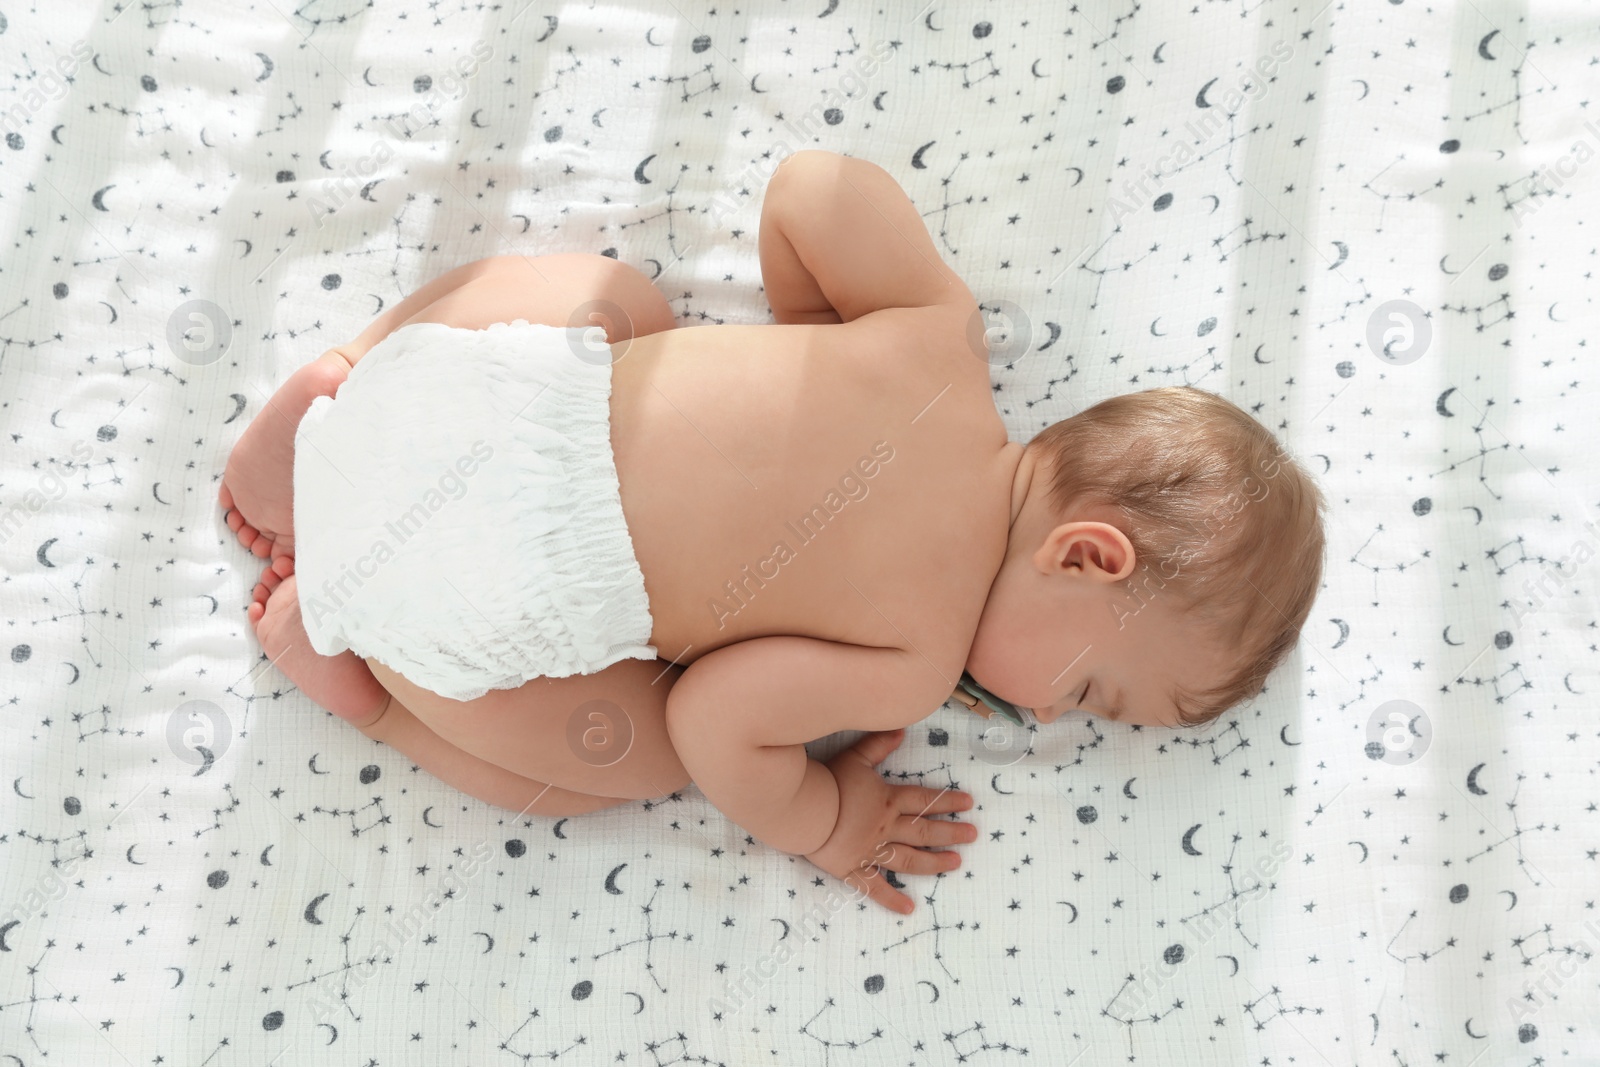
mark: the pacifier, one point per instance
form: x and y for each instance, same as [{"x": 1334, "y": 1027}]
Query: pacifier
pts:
[{"x": 978, "y": 700}]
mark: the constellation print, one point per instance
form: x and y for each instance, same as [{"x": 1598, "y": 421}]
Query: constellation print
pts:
[
  {"x": 1205, "y": 930},
  {"x": 957, "y": 1038},
  {"x": 1405, "y": 196},
  {"x": 1278, "y": 1009},
  {"x": 1484, "y": 450},
  {"x": 648, "y": 939},
  {"x": 1378, "y": 569},
  {"x": 1515, "y": 836},
  {"x": 828, "y": 1045}
]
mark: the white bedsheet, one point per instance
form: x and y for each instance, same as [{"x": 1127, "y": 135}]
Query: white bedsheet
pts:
[{"x": 1259, "y": 892}]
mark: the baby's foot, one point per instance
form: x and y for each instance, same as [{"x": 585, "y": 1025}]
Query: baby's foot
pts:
[
  {"x": 343, "y": 684},
  {"x": 258, "y": 483}
]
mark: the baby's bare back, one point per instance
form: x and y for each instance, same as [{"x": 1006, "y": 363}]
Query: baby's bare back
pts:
[{"x": 844, "y": 482}]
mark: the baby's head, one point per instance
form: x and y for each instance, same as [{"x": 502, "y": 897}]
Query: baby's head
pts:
[{"x": 1163, "y": 559}]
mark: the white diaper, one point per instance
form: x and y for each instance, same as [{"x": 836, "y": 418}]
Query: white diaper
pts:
[{"x": 457, "y": 513}]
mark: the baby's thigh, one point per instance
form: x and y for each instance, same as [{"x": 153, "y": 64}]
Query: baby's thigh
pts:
[
  {"x": 564, "y": 289},
  {"x": 604, "y": 734}
]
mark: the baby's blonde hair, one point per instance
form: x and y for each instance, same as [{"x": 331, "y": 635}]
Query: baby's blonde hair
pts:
[{"x": 1218, "y": 514}]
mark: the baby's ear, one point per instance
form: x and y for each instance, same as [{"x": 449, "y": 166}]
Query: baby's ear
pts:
[{"x": 1095, "y": 549}]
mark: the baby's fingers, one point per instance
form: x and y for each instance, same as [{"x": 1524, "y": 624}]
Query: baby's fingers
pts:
[
  {"x": 933, "y": 833},
  {"x": 920, "y": 800},
  {"x": 870, "y": 881},
  {"x": 909, "y": 860}
]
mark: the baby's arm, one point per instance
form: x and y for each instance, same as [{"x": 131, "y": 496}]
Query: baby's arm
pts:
[
  {"x": 840, "y": 239},
  {"x": 739, "y": 718}
]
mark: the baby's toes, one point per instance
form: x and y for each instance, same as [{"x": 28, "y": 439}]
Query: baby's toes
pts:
[{"x": 272, "y": 576}]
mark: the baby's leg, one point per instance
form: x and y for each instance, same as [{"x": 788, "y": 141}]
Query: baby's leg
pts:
[
  {"x": 257, "y": 490},
  {"x": 522, "y": 730},
  {"x": 345, "y": 686}
]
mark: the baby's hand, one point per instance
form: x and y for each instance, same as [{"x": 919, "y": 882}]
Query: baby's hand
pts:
[{"x": 881, "y": 825}]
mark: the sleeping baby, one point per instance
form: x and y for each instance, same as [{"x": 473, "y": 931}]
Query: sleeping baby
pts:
[{"x": 563, "y": 555}]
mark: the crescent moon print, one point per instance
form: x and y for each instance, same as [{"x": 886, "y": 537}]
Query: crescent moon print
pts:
[
  {"x": 916, "y": 157},
  {"x": 550, "y": 24},
  {"x": 1127, "y": 788},
  {"x": 638, "y": 172},
  {"x": 1483, "y": 45},
  {"x": 1200, "y": 97},
  {"x": 5, "y": 931},
  {"x": 833, "y": 5},
  {"x": 1055, "y": 335},
  {"x": 1188, "y": 840},
  {"x": 611, "y": 880},
  {"x": 311, "y": 910}
]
